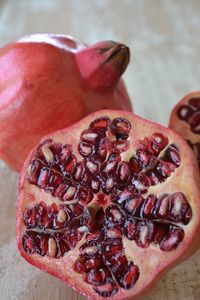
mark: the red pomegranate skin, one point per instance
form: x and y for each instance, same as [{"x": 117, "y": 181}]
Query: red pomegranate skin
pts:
[
  {"x": 145, "y": 150},
  {"x": 50, "y": 81}
]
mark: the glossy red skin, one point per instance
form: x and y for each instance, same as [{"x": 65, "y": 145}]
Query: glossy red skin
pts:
[
  {"x": 48, "y": 82},
  {"x": 170, "y": 259}
]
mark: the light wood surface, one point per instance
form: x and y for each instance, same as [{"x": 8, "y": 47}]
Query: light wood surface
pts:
[{"x": 164, "y": 37}]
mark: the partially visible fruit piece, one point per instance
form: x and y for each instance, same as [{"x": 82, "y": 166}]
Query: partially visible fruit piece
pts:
[
  {"x": 110, "y": 206},
  {"x": 50, "y": 81},
  {"x": 185, "y": 119}
]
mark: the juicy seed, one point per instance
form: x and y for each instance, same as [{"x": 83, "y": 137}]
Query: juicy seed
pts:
[
  {"x": 52, "y": 247},
  {"x": 101, "y": 123},
  {"x": 62, "y": 216},
  {"x": 185, "y": 112},
  {"x": 120, "y": 126},
  {"x": 47, "y": 153},
  {"x": 85, "y": 149},
  {"x": 172, "y": 240}
]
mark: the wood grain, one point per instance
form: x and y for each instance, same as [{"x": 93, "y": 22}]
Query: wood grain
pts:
[{"x": 164, "y": 37}]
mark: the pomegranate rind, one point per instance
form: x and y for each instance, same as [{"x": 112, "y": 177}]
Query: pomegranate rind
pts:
[
  {"x": 43, "y": 89},
  {"x": 152, "y": 262}
]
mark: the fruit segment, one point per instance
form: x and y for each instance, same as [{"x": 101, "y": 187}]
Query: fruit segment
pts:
[{"x": 109, "y": 204}]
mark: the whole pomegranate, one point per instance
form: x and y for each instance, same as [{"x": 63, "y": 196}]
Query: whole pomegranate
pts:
[
  {"x": 108, "y": 204},
  {"x": 185, "y": 119},
  {"x": 50, "y": 81}
]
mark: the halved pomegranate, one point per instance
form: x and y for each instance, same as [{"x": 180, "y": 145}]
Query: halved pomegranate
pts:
[
  {"x": 50, "y": 81},
  {"x": 108, "y": 204},
  {"x": 185, "y": 119}
]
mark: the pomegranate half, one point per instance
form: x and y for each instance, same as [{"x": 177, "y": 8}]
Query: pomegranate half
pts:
[
  {"x": 109, "y": 204},
  {"x": 185, "y": 119},
  {"x": 50, "y": 81}
]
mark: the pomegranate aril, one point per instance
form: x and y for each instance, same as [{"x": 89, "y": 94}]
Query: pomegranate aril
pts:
[
  {"x": 59, "y": 191},
  {"x": 69, "y": 193},
  {"x": 66, "y": 153},
  {"x": 55, "y": 180},
  {"x": 48, "y": 154},
  {"x": 108, "y": 185},
  {"x": 116, "y": 262},
  {"x": 124, "y": 196},
  {"x": 79, "y": 266},
  {"x": 194, "y": 122},
  {"x": 78, "y": 171},
  {"x": 110, "y": 167},
  {"x": 149, "y": 206},
  {"x": 89, "y": 250},
  {"x": 101, "y": 123},
  {"x": 129, "y": 277},
  {"x": 62, "y": 244},
  {"x": 158, "y": 142},
  {"x": 120, "y": 146},
  {"x": 132, "y": 206},
  {"x": 195, "y": 102},
  {"x": 162, "y": 206},
  {"x": 124, "y": 171},
  {"x": 69, "y": 165},
  {"x": 113, "y": 233},
  {"x": 185, "y": 112},
  {"x": 179, "y": 207},
  {"x": 188, "y": 216},
  {"x": 144, "y": 157},
  {"x": 172, "y": 239},
  {"x": 114, "y": 214},
  {"x": 34, "y": 171},
  {"x": 41, "y": 244},
  {"x": 95, "y": 184},
  {"x": 96, "y": 276},
  {"x": 161, "y": 230},
  {"x": 146, "y": 231},
  {"x": 120, "y": 127},
  {"x": 90, "y": 135},
  {"x": 172, "y": 155},
  {"x": 112, "y": 247},
  {"x": 28, "y": 242},
  {"x": 155, "y": 177},
  {"x": 30, "y": 217},
  {"x": 135, "y": 164},
  {"x": 102, "y": 149},
  {"x": 92, "y": 263},
  {"x": 85, "y": 149},
  {"x": 130, "y": 229},
  {"x": 84, "y": 196},
  {"x": 165, "y": 168},
  {"x": 92, "y": 167},
  {"x": 43, "y": 178},
  {"x": 108, "y": 289}
]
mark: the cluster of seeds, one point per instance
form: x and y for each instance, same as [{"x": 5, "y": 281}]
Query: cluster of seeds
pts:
[{"x": 102, "y": 174}]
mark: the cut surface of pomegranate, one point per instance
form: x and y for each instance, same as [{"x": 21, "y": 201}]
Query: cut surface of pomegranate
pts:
[
  {"x": 50, "y": 81},
  {"x": 108, "y": 204},
  {"x": 185, "y": 119}
]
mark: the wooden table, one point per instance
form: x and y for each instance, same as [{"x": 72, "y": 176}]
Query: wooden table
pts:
[{"x": 164, "y": 37}]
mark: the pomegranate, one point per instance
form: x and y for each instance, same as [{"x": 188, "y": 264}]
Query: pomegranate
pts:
[
  {"x": 185, "y": 119},
  {"x": 108, "y": 204},
  {"x": 49, "y": 81}
]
